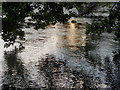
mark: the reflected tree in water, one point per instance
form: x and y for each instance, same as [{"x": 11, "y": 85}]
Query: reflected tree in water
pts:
[{"x": 16, "y": 74}]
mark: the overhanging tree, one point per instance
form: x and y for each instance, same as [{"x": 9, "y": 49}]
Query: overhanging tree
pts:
[{"x": 51, "y": 13}]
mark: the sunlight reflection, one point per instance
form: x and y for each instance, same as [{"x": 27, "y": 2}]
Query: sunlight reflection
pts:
[
  {"x": 72, "y": 25},
  {"x": 71, "y": 37},
  {"x": 76, "y": 36}
]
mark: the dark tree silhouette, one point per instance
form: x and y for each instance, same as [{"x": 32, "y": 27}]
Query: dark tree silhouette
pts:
[
  {"x": 15, "y": 13},
  {"x": 13, "y": 17}
]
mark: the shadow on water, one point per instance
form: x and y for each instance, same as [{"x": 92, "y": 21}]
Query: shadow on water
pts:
[
  {"x": 60, "y": 76},
  {"x": 116, "y": 60},
  {"x": 104, "y": 54},
  {"x": 15, "y": 75}
]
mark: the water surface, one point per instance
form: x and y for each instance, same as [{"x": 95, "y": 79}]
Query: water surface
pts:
[{"x": 61, "y": 56}]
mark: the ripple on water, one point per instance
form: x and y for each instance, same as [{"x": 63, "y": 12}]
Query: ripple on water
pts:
[{"x": 62, "y": 57}]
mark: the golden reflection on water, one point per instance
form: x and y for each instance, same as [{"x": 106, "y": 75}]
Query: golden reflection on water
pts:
[
  {"x": 72, "y": 26},
  {"x": 76, "y": 36}
]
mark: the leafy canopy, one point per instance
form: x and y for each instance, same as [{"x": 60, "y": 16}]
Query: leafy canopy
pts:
[{"x": 44, "y": 14}]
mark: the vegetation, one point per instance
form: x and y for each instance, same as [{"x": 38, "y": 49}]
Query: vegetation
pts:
[
  {"x": 107, "y": 24},
  {"x": 50, "y": 13},
  {"x": 45, "y": 14}
]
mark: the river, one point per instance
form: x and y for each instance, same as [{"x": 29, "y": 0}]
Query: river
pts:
[{"x": 61, "y": 56}]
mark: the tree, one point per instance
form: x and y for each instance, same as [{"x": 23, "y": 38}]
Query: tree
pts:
[
  {"x": 46, "y": 13},
  {"x": 12, "y": 21},
  {"x": 107, "y": 24}
]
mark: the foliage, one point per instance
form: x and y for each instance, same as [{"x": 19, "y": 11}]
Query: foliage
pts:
[
  {"x": 13, "y": 18},
  {"x": 45, "y": 14},
  {"x": 107, "y": 24}
]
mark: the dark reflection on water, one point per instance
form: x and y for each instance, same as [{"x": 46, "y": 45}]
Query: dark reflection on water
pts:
[
  {"x": 63, "y": 57},
  {"x": 59, "y": 75},
  {"x": 15, "y": 76},
  {"x": 116, "y": 81},
  {"x": 105, "y": 55}
]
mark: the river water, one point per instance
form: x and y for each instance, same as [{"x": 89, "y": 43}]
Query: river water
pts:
[{"x": 61, "y": 56}]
